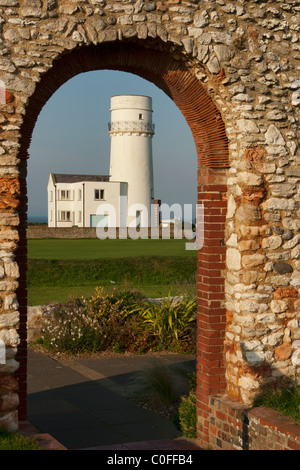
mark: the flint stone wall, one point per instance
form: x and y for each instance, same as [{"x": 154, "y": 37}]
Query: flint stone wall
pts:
[
  {"x": 91, "y": 232},
  {"x": 244, "y": 56}
]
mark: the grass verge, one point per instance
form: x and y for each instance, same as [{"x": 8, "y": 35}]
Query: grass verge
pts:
[
  {"x": 136, "y": 270},
  {"x": 286, "y": 401},
  {"x": 14, "y": 441},
  {"x": 51, "y": 280}
]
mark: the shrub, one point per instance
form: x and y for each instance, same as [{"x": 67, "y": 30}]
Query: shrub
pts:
[
  {"x": 187, "y": 417},
  {"x": 103, "y": 303},
  {"x": 95, "y": 324},
  {"x": 67, "y": 327},
  {"x": 126, "y": 296},
  {"x": 120, "y": 320},
  {"x": 122, "y": 330},
  {"x": 171, "y": 319},
  {"x": 128, "y": 335}
]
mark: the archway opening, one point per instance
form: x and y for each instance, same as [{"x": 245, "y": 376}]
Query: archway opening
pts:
[
  {"x": 208, "y": 130},
  {"x": 71, "y": 136}
]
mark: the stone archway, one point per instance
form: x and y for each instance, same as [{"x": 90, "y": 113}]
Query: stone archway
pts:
[
  {"x": 208, "y": 131},
  {"x": 231, "y": 70}
]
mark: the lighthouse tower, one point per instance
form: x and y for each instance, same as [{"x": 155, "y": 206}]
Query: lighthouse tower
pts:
[{"x": 131, "y": 131}]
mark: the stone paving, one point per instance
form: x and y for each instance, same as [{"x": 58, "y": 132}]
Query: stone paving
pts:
[{"x": 84, "y": 404}]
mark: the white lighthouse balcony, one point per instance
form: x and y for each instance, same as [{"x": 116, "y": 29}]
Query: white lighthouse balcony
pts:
[{"x": 131, "y": 126}]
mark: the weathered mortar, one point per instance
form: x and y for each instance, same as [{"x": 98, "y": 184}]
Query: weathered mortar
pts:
[{"x": 244, "y": 55}]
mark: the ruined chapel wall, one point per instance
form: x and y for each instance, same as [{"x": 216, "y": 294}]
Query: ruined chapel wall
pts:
[{"x": 246, "y": 55}]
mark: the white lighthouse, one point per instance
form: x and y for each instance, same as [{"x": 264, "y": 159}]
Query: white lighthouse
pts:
[
  {"x": 125, "y": 197},
  {"x": 131, "y": 131}
]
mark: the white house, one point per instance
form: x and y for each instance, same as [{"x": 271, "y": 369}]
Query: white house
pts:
[
  {"x": 125, "y": 197},
  {"x": 75, "y": 199}
]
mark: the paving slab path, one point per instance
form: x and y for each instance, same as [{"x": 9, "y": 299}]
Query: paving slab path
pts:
[{"x": 86, "y": 403}]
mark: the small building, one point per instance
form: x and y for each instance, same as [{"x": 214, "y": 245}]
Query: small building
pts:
[{"x": 73, "y": 200}]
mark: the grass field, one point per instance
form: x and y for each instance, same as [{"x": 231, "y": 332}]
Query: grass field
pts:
[
  {"x": 60, "y": 249},
  {"x": 62, "y": 268}
]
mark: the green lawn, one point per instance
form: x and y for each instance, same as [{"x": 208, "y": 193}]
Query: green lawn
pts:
[
  {"x": 59, "y": 269},
  {"x": 72, "y": 249}
]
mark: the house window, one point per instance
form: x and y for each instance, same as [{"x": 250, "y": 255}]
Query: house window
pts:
[
  {"x": 79, "y": 194},
  {"x": 99, "y": 194},
  {"x": 65, "y": 194},
  {"x": 140, "y": 117},
  {"x": 51, "y": 196},
  {"x": 65, "y": 216},
  {"x": 79, "y": 216}
]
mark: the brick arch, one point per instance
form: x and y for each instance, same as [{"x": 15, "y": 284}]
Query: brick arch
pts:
[
  {"x": 208, "y": 131},
  {"x": 172, "y": 76}
]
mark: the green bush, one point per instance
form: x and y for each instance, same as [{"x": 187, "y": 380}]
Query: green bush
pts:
[
  {"x": 95, "y": 324},
  {"x": 187, "y": 418},
  {"x": 103, "y": 303},
  {"x": 122, "y": 330},
  {"x": 120, "y": 320},
  {"x": 171, "y": 319}
]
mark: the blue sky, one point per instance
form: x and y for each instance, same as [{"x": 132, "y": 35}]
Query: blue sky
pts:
[{"x": 71, "y": 136}]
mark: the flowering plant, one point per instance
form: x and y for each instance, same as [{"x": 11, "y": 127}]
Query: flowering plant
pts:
[{"x": 120, "y": 320}]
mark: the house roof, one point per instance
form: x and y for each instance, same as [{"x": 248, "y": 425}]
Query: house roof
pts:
[{"x": 64, "y": 178}]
